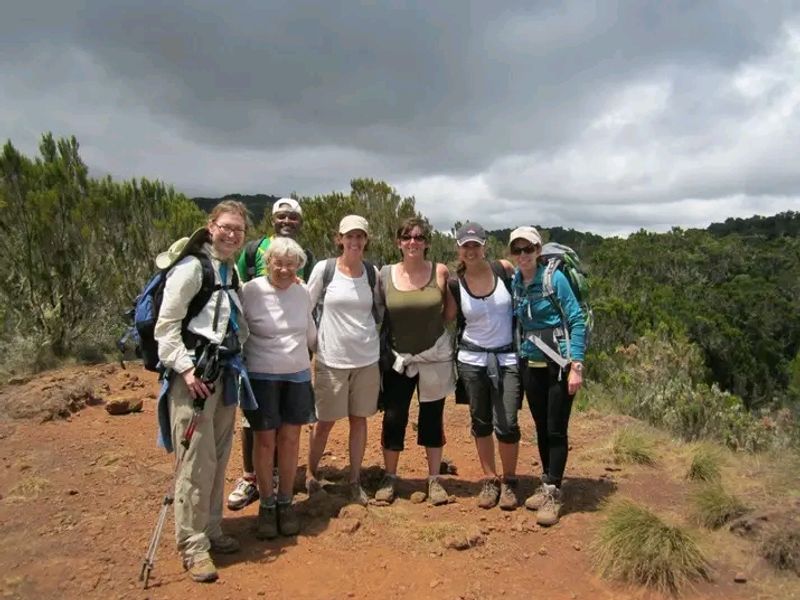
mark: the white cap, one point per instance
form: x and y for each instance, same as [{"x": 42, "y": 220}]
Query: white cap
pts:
[
  {"x": 525, "y": 233},
  {"x": 353, "y": 222},
  {"x": 287, "y": 205}
]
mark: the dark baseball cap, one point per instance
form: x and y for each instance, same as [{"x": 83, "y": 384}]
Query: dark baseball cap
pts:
[{"x": 470, "y": 232}]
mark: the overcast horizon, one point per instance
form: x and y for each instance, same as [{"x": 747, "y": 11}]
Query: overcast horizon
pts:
[{"x": 606, "y": 117}]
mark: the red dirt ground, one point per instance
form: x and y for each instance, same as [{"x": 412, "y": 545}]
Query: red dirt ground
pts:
[{"x": 80, "y": 498}]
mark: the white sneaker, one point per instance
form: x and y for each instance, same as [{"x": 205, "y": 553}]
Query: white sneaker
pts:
[{"x": 245, "y": 492}]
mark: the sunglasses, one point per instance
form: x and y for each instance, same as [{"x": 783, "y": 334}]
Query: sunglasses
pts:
[
  {"x": 516, "y": 250},
  {"x": 416, "y": 238}
]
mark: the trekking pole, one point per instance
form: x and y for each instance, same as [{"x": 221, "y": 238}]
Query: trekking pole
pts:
[{"x": 169, "y": 498}]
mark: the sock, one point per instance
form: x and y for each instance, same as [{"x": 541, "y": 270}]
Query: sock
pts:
[
  {"x": 284, "y": 498},
  {"x": 268, "y": 502},
  {"x": 251, "y": 477}
]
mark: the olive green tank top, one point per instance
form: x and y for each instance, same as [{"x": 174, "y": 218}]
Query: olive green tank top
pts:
[{"x": 416, "y": 315}]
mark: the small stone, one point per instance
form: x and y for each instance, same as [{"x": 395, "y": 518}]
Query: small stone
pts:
[
  {"x": 542, "y": 551},
  {"x": 740, "y": 577},
  {"x": 123, "y": 406},
  {"x": 72, "y": 492},
  {"x": 576, "y": 546},
  {"x": 613, "y": 469},
  {"x": 434, "y": 583},
  {"x": 418, "y": 497},
  {"x": 348, "y": 526},
  {"x": 353, "y": 511},
  {"x": 525, "y": 555}
]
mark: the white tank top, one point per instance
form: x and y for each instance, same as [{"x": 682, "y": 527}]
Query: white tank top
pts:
[{"x": 488, "y": 324}]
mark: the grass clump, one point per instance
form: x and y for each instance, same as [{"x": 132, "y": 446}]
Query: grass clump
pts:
[
  {"x": 713, "y": 506},
  {"x": 782, "y": 550},
  {"x": 29, "y": 487},
  {"x": 636, "y": 546},
  {"x": 705, "y": 465},
  {"x": 632, "y": 446}
]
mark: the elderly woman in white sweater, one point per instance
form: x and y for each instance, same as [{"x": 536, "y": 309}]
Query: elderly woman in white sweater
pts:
[{"x": 282, "y": 331}]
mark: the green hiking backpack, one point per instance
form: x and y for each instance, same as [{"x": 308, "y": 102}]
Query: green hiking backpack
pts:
[{"x": 565, "y": 259}]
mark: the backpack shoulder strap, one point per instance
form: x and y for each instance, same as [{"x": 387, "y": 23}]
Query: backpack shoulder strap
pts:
[
  {"x": 372, "y": 278},
  {"x": 250, "y": 251},
  {"x": 386, "y": 274},
  {"x": 309, "y": 263},
  {"x": 454, "y": 285},
  {"x": 500, "y": 271},
  {"x": 207, "y": 286},
  {"x": 327, "y": 277}
]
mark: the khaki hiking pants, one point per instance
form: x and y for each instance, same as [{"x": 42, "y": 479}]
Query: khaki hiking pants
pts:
[{"x": 199, "y": 487}]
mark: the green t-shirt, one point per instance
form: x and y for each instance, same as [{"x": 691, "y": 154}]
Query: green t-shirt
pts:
[{"x": 260, "y": 265}]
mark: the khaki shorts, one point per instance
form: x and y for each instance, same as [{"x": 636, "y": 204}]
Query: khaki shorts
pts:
[{"x": 346, "y": 392}]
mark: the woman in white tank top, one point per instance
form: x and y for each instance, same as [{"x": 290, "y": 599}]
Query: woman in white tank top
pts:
[{"x": 487, "y": 363}]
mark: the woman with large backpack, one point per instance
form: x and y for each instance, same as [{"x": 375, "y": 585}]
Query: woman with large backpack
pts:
[
  {"x": 419, "y": 353},
  {"x": 553, "y": 328},
  {"x": 193, "y": 350},
  {"x": 487, "y": 363}
]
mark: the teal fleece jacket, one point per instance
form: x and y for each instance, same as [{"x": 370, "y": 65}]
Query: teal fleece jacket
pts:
[{"x": 535, "y": 311}]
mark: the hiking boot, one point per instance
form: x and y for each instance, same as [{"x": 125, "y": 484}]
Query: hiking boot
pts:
[
  {"x": 288, "y": 522},
  {"x": 550, "y": 509},
  {"x": 225, "y": 544},
  {"x": 243, "y": 494},
  {"x": 201, "y": 568},
  {"x": 267, "y": 523},
  {"x": 437, "y": 495},
  {"x": 357, "y": 494},
  {"x": 312, "y": 485},
  {"x": 490, "y": 493},
  {"x": 508, "y": 494},
  {"x": 386, "y": 490},
  {"x": 535, "y": 500}
]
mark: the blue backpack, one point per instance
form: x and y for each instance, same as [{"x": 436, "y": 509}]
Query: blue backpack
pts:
[{"x": 144, "y": 314}]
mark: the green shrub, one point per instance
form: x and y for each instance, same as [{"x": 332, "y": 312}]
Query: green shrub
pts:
[
  {"x": 713, "y": 506},
  {"x": 636, "y": 546}
]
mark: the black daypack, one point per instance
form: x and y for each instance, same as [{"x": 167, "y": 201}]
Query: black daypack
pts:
[{"x": 144, "y": 314}]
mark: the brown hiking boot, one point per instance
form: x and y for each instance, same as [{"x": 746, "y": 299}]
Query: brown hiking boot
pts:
[
  {"x": 535, "y": 500},
  {"x": 386, "y": 489},
  {"x": 550, "y": 509},
  {"x": 490, "y": 493},
  {"x": 437, "y": 495},
  {"x": 201, "y": 568},
  {"x": 288, "y": 522},
  {"x": 267, "y": 523},
  {"x": 225, "y": 544},
  {"x": 508, "y": 494}
]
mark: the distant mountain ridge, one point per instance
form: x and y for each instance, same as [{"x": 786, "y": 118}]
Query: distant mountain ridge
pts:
[{"x": 257, "y": 204}]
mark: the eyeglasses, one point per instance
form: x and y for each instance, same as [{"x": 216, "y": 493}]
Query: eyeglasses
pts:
[
  {"x": 416, "y": 238},
  {"x": 516, "y": 250},
  {"x": 229, "y": 230}
]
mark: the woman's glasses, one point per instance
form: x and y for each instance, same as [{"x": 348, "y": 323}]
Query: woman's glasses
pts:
[
  {"x": 416, "y": 238},
  {"x": 517, "y": 250},
  {"x": 228, "y": 230}
]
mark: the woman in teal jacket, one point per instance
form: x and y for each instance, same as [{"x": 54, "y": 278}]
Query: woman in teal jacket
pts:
[{"x": 551, "y": 349}]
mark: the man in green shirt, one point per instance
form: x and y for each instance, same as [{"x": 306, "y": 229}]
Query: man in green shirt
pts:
[{"x": 287, "y": 219}]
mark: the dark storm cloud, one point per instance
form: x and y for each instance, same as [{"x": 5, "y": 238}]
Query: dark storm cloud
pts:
[{"x": 589, "y": 105}]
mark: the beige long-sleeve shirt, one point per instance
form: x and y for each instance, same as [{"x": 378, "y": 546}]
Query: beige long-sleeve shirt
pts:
[{"x": 183, "y": 283}]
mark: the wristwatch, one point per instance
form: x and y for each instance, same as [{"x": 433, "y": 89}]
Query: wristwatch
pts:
[{"x": 577, "y": 367}]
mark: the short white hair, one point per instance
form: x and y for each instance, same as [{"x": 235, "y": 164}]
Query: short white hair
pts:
[{"x": 285, "y": 246}]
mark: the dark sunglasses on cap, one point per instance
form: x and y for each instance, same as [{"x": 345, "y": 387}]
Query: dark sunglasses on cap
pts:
[
  {"x": 416, "y": 238},
  {"x": 515, "y": 250}
]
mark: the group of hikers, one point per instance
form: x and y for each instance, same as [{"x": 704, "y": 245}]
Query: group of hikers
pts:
[{"x": 377, "y": 337}]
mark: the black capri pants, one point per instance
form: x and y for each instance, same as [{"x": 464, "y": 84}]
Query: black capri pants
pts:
[
  {"x": 396, "y": 396},
  {"x": 490, "y": 408}
]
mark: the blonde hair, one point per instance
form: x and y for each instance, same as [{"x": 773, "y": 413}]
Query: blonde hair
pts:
[{"x": 284, "y": 246}]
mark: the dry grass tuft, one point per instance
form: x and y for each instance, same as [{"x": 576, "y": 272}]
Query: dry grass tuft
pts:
[
  {"x": 705, "y": 465},
  {"x": 782, "y": 550},
  {"x": 713, "y": 506},
  {"x": 634, "y": 545},
  {"x": 633, "y": 446}
]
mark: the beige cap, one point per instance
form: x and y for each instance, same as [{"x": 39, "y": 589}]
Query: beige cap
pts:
[
  {"x": 287, "y": 205},
  {"x": 525, "y": 233},
  {"x": 353, "y": 222},
  {"x": 179, "y": 248}
]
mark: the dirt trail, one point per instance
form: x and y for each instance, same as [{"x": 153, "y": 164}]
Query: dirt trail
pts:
[{"x": 80, "y": 498}]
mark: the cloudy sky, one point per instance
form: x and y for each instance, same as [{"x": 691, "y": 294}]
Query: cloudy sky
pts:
[{"x": 603, "y": 116}]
